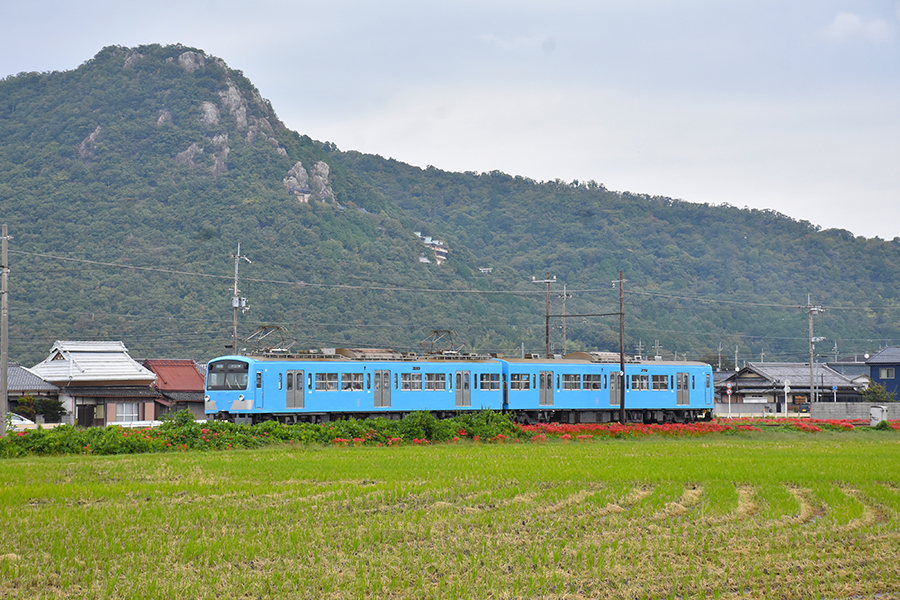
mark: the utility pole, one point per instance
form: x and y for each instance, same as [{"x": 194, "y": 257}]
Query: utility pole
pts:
[
  {"x": 548, "y": 281},
  {"x": 4, "y": 331},
  {"x": 621, "y": 283},
  {"x": 720, "y": 357},
  {"x": 563, "y": 297},
  {"x": 236, "y": 301},
  {"x": 813, "y": 310}
]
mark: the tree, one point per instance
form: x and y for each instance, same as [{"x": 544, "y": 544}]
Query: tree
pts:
[
  {"x": 877, "y": 393},
  {"x": 29, "y": 407}
]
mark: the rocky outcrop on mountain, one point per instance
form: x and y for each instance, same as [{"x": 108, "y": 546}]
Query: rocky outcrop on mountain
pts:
[
  {"x": 321, "y": 186},
  {"x": 86, "y": 147},
  {"x": 297, "y": 181}
]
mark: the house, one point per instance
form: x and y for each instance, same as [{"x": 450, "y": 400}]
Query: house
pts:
[
  {"x": 764, "y": 384},
  {"x": 436, "y": 246},
  {"x": 22, "y": 382},
  {"x": 180, "y": 383},
  {"x": 884, "y": 367},
  {"x": 99, "y": 383}
]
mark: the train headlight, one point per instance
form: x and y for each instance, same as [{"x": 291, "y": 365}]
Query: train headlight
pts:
[
  {"x": 206, "y": 398},
  {"x": 241, "y": 397}
]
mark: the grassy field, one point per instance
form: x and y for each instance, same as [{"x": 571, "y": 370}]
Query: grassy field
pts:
[{"x": 759, "y": 515}]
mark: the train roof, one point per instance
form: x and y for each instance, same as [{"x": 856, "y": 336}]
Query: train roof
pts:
[
  {"x": 371, "y": 354},
  {"x": 389, "y": 355}
]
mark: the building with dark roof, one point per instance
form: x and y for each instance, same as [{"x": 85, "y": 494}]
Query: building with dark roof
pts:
[
  {"x": 764, "y": 383},
  {"x": 884, "y": 367}
]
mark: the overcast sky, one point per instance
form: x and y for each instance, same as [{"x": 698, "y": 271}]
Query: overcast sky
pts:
[{"x": 790, "y": 105}]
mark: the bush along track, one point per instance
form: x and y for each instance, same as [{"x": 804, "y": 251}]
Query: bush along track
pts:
[{"x": 180, "y": 432}]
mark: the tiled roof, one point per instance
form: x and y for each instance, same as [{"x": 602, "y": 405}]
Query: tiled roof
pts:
[
  {"x": 775, "y": 374},
  {"x": 176, "y": 375},
  {"x": 888, "y": 356},
  {"x": 84, "y": 362},
  {"x": 23, "y": 380}
]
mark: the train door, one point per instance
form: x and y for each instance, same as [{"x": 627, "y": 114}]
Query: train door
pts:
[
  {"x": 294, "y": 390},
  {"x": 463, "y": 388},
  {"x": 545, "y": 388},
  {"x": 683, "y": 388},
  {"x": 615, "y": 388},
  {"x": 382, "y": 389},
  {"x": 259, "y": 390}
]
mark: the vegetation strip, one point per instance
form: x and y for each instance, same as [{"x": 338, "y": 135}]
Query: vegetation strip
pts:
[{"x": 181, "y": 432}]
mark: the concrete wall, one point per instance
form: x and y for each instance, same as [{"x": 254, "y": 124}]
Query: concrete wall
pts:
[{"x": 850, "y": 410}]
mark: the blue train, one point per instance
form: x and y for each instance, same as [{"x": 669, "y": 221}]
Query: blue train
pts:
[{"x": 343, "y": 382}]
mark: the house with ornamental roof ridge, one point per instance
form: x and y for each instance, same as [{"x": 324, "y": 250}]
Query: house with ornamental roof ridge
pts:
[
  {"x": 99, "y": 383},
  {"x": 764, "y": 383}
]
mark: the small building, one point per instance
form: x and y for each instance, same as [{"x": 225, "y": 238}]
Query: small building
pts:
[
  {"x": 180, "y": 383},
  {"x": 440, "y": 250},
  {"x": 99, "y": 383},
  {"x": 22, "y": 382},
  {"x": 762, "y": 386},
  {"x": 884, "y": 368}
]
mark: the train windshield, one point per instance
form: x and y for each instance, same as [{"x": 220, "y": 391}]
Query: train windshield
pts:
[{"x": 227, "y": 375}]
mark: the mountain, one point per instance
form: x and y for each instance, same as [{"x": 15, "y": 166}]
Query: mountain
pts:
[{"x": 128, "y": 183}]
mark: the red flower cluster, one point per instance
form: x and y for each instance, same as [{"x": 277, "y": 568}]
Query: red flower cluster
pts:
[{"x": 565, "y": 431}]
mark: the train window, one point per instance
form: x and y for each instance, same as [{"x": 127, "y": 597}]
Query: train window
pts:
[
  {"x": 290, "y": 382},
  {"x": 640, "y": 382},
  {"x": 310, "y": 382},
  {"x": 228, "y": 375},
  {"x": 368, "y": 381},
  {"x": 489, "y": 381},
  {"x": 571, "y": 382},
  {"x": 351, "y": 382},
  {"x": 258, "y": 380},
  {"x": 280, "y": 384},
  {"x": 592, "y": 382},
  {"x": 693, "y": 382},
  {"x": 605, "y": 385},
  {"x": 435, "y": 381},
  {"x": 519, "y": 381},
  {"x": 707, "y": 381},
  {"x": 326, "y": 382},
  {"x": 660, "y": 382},
  {"x": 411, "y": 381}
]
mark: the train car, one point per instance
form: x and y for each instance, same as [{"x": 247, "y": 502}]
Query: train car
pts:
[
  {"x": 344, "y": 382},
  {"x": 339, "y": 383},
  {"x": 584, "y": 388}
]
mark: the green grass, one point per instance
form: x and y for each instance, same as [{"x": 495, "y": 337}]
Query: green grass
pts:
[{"x": 773, "y": 515}]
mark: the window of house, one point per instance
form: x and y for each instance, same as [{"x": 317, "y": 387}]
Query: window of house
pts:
[
  {"x": 571, "y": 382},
  {"x": 411, "y": 381},
  {"x": 435, "y": 381},
  {"x": 489, "y": 381},
  {"x": 326, "y": 382},
  {"x": 126, "y": 411},
  {"x": 519, "y": 381},
  {"x": 886, "y": 373}
]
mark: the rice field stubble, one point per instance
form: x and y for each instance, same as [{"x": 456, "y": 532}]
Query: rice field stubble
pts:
[{"x": 766, "y": 515}]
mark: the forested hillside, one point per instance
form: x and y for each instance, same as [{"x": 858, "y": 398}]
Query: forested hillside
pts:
[{"x": 128, "y": 183}]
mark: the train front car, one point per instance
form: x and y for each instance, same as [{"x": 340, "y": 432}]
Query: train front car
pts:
[
  {"x": 228, "y": 389},
  {"x": 332, "y": 384},
  {"x": 584, "y": 387}
]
